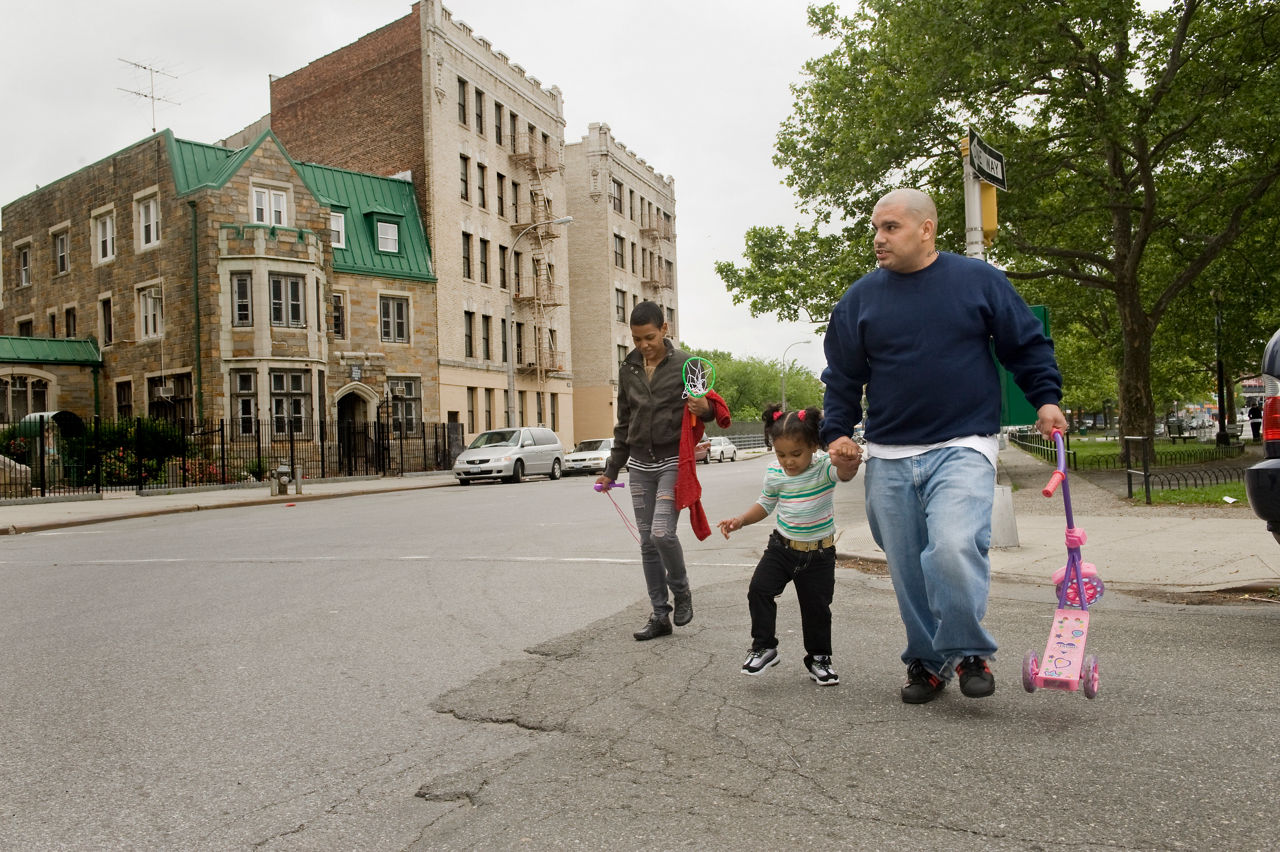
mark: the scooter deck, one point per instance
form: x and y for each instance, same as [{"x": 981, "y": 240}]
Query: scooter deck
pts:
[{"x": 1064, "y": 653}]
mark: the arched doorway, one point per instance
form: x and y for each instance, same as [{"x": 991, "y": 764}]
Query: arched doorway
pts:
[{"x": 355, "y": 431}]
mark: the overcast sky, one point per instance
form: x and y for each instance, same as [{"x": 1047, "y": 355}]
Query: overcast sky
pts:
[{"x": 697, "y": 88}]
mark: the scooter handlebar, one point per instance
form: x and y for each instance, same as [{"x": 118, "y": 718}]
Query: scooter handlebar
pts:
[
  {"x": 600, "y": 487},
  {"x": 1054, "y": 481}
]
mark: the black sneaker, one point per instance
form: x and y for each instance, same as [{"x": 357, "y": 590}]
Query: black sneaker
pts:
[
  {"x": 658, "y": 626},
  {"x": 683, "y": 613},
  {"x": 819, "y": 666},
  {"x": 922, "y": 685},
  {"x": 976, "y": 679},
  {"x": 759, "y": 660}
]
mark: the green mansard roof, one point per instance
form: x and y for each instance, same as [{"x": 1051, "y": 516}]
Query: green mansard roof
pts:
[
  {"x": 48, "y": 350},
  {"x": 363, "y": 199}
]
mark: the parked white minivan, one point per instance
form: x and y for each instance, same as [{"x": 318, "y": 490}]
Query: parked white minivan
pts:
[{"x": 511, "y": 454}]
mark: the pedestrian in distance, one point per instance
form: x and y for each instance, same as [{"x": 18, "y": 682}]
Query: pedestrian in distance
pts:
[
  {"x": 652, "y": 409},
  {"x": 917, "y": 335},
  {"x": 1255, "y": 421},
  {"x": 801, "y": 550}
]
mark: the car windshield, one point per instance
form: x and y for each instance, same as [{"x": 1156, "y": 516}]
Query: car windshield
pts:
[
  {"x": 588, "y": 446},
  {"x": 499, "y": 438}
]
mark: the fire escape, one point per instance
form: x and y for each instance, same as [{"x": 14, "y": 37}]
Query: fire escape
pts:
[
  {"x": 657, "y": 233},
  {"x": 536, "y": 299}
]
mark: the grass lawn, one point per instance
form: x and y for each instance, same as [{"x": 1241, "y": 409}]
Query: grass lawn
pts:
[{"x": 1197, "y": 495}]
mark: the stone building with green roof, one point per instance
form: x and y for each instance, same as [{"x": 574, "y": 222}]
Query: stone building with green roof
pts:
[{"x": 224, "y": 283}]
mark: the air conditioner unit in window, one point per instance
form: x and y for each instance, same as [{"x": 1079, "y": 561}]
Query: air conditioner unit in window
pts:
[
  {"x": 397, "y": 389},
  {"x": 164, "y": 391}
]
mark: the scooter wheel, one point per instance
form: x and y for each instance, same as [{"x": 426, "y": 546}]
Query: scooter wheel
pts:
[
  {"x": 1030, "y": 668},
  {"x": 1089, "y": 676}
]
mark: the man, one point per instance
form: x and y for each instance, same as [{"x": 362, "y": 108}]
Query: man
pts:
[
  {"x": 1255, "y": 422},
  {"x": 915, "y": 334}
]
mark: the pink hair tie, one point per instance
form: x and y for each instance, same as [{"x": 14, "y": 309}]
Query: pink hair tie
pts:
[
  {"x": 800, "y": 414},
  {"x": 776, "y": 415}
]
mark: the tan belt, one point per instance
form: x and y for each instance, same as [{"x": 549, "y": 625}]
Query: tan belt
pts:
[{"x": 809, "y": 545}]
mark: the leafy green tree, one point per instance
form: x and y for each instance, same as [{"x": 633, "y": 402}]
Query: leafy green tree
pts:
[
  {"x": 1143, "y": 151},
  {"x": 749, "y": 385}
]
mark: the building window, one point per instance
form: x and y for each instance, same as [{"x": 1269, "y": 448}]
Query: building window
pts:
[
  {"x": 406, "y": 402},
  {"x": 150, "y": 312},
  {"x": 468, "y": 331},
  {"x": 515, "y": 201},
  {"x": 471, "y": 409},
  {"x": 61, "y": 253},
  {"x": 479, "y": 112},
  {"x": 523, "y": 405},
  {"x": 502, "y": 326},
  {"x": 481, "y": 198},
  {"x": 69, "y": 322},
  {"x": 26, "y": 328},
  {"x": 484, "y": 261},
  {"x": 124, "y": 399},
  {"x": 462, "y": 101},
  {"x": 24, "y": 266},
  {"x": 537, "y": 396},
  {"x": 502, "y": 194},
  {"x": 631, "y": 204},
  {"x": 148, "y": 216},
  {"x": 22, "y": 395},
  {"x": 555, "y": 412},
  {"x": 464, "y": 172},
  {"x": 671, "y": 315},
  {"x": 270, "y": 206},
  {"x": 497, "y": 123},
  {"x": 512, "y": 124},
  {"x": 339, "y": 315},
  {"x": 466, "y": 255},
  {"x": 104, "y": 237},
  {"x": 502, "y": 267},
  {"x": 620, "y": 305},
  {"x": 615, "y": 195},
  {"x": 671, "y": 273},
  {"x": 290, "y": 401},
  {"x": 288, "y": 306},
  {"x": 622, "y": 353},
  {"x": 169, "y": 397},
  {"x": 619, "y": 252},
  {"x": 488, "y": 408},
  {"x": 633, "y": 257},
  {"x": 394, "y": 311},
  {"x": 515, "y": 271},
  {"x": 53, "y": 325},
  {"x": 244, "y": 388},
  {"x": 242, "y": 299},
  {"x": 389, "y": 237},
  {"x": 486, "y": 323},
  {"x": 338, "y": 230},
  {"x": 520, "y": 344},
  {"x": 106, "y": 327}
]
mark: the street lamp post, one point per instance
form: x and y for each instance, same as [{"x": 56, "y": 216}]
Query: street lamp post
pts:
[
  {"x": 784, "y": 370},
  {"x": 511, "y": 317}
]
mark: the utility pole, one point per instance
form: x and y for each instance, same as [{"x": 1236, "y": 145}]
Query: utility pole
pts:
[{"x": 150, "y": 95}]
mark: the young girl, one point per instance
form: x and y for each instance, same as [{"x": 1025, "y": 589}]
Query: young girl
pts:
[
  {"x": 802, "y": 549},
  {"x": 651, "y": 413}
]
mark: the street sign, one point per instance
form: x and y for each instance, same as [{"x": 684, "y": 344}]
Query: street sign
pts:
[{"x": 986, "y": 161}]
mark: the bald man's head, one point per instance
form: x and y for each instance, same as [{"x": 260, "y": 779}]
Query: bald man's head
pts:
[{"x": 905, "y": 223}]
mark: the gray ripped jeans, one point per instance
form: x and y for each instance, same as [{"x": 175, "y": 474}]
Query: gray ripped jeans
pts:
[{"x": 653, "y": 496}]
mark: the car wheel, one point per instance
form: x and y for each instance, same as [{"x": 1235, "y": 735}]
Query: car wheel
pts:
[
  {"x": 517, "y": 471},
  {"x": 734, "y": 457},
  {"x": 555, "y": 469}
]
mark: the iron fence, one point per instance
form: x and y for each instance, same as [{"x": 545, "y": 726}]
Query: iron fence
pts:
[{"x": 39, "y": 458}]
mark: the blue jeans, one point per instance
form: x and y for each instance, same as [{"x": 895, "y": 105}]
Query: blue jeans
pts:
[
  {"x": 653, "y": 496},
  {"x": 931, "y": 515}
]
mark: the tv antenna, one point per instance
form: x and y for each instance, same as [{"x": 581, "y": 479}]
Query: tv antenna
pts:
[{"x": 152, "y": 71}]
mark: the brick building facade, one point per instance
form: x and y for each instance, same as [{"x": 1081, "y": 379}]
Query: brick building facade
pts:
[
  {"x": 483, "y": 142},
  {"x": 621, "y": 252}
]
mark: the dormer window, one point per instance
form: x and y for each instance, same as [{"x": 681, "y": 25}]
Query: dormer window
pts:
[
  {"x": 270, "y": 206},
  {"x": 338, "y": 230},
  {"x": 388, "y": 237}
]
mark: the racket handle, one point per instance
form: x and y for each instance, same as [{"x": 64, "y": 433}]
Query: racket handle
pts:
[{"x": 600, "y": 487}]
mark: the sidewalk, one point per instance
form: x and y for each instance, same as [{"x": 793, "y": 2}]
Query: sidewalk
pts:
[{"x": 1134, "y": 546}]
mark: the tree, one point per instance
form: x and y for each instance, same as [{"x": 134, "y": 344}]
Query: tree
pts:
[
  {"x": 1142, "y": 147},
  {"x": 749, "y": 385}
]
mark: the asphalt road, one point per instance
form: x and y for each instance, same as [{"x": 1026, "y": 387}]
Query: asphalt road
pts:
[{"x": 453, "y": 669}]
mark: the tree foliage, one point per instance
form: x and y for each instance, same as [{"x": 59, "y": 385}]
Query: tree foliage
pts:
[
  {"x": 1143, "y": 152},
  {"x": 749, "y": 385}
]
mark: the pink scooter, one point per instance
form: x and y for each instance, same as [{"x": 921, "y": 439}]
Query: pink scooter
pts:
[{"x": 1065, "y": 665}]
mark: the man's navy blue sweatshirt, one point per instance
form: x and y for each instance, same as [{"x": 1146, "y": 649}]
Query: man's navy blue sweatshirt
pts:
[{"x": 919, "y": 344}]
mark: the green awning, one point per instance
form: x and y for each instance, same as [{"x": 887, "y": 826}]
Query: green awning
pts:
[{"x": 49, "y": 350}]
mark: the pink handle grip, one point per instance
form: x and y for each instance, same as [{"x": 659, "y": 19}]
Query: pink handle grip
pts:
[
  {"x": 1054, "y": 481},
  {"x": 600, "y": 487}
]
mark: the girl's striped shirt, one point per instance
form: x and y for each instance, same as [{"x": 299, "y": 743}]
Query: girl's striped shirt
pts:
[{"x": 805, "y": 502}]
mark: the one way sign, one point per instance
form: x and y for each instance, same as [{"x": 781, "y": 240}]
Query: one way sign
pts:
[{"x": 986, "y": 161}]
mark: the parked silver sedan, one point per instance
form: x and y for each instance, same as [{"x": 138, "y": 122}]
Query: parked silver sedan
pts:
[{"x": 722, "y": 448}]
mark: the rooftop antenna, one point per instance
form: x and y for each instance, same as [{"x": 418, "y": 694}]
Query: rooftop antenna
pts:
[{"x": 152, "y": 71}]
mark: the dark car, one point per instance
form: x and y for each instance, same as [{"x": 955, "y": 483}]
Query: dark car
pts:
[{"x": 1262, "y": 481}]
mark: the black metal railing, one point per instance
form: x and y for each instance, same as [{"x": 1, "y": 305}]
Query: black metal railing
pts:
[{"x": 39, "y": 458}]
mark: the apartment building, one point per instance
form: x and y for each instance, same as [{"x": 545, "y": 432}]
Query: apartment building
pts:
[
  {"x": 622, "y": 251},
  {"x": 219, "y": 283},
  {"x": 483, "y": 141}
]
